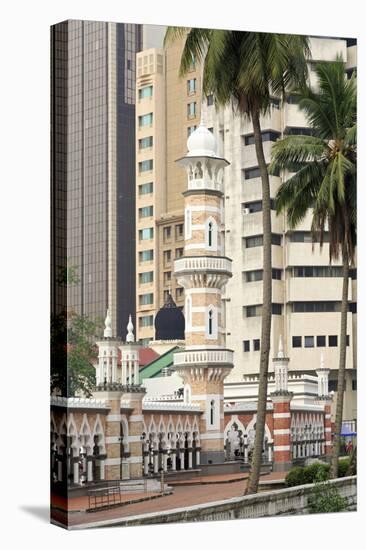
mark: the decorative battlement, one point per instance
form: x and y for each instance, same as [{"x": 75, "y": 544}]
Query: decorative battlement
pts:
[
  {"x": 125, "y": 388},
  {"x": 238, "y": 407},
  {"x": 204, "y": 356},
  {"x": 78, "y": 402},
  {"x": 164, "y": 405}
]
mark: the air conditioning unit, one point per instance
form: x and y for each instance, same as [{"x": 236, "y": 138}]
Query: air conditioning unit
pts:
[{"x": 246, "y": 211}]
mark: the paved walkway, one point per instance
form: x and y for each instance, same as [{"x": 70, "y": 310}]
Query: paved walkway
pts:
[{"x": 183, "y": 496}]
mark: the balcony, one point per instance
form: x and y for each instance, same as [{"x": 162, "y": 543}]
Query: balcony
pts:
[
  {"x": 202, "y": 263},
  {"x": 203, "y": 357}
]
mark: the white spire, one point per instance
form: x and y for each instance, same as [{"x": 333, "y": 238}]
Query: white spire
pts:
[
  {"x": 108, "y": 325},
  {"x": 280, "y": 353},
  {"x": 130, "y": 336}
]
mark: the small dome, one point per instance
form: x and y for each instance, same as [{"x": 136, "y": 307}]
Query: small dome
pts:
[
  {"x": 169, "y": 322},
  {"x": 201, "y": 143}
]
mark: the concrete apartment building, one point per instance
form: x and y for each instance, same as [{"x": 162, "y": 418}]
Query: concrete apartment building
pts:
[
  {"x": 306, "y": 289},
  {"x": 167, "y": 111},
  {"x": 93, "y": 79}
]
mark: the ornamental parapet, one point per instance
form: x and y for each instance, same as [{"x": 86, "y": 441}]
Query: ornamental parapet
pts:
[
  {"x": 211, "y": 264},
  {"x": 78, "y": 402},
  {"x": 200, "y": 357}
]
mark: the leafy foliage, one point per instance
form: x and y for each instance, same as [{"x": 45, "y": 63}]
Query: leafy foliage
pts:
[
  {"x": 326, "y": 499},
  {"x": 72, "y": 355},
  {"x": 299, "y": 475}
]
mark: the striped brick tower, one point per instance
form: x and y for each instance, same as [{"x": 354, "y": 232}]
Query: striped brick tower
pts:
[
  {"x": 281, "y": 399},
  {"x": 122, "y": 391},
  {"x": 203, "y": 271},
  {"x": 326, "y": 400}
]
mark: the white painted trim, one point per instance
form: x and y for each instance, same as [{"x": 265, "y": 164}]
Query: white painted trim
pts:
[
  {"x": 285, "y": 431},
  {"x": 281, "y": 447},
  {"x": 328, "y": 416},
  {"x": 327, "y": 429},
  {"x": 135, "y": 459},
  {"x": 112, "y": 461},
  {"x": 214, "y": 435},
  {"x": 197, "y": 329},
  {"x": 203, "y": 290},
  {"x": 203, "y": 208},
  {"x": 112, "y": 439},
  {"x": 203, "y": 309},
  {"x": 204, "y": 396},
  {"x": 195, "y": 246},
  {"x": 113, "y": 417},
  {"x": 207, "y": 347},
  {"x": 281, "y": 415},
  {"x": 136, "y": 418},
  {"x": 133, "y": 438},
  {"x": 328, "y": 443},
  {"x": 198, "y": 227}
]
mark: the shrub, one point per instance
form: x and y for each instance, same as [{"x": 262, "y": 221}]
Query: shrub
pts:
[
  {"x": 343, "y": 466},
  {"x": 308, "y": 474},
  {"x": 326, "y": 498}
]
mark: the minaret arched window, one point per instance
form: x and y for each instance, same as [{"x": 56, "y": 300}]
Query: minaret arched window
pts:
[
  {"x": 188, "y": 223},
  {"x": 211, "y": 234},
  {"x": 210, "y": 229},
  {"x": 210, "y": 322},
  {"x": 188, "y": 312},
  {"x": 212, "y": 412}
]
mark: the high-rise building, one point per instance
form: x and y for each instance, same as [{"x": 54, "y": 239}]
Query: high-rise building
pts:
[
  {"x": 93, "y": 79},
  {"x": 306, "y": 289},
  {"x": 167, "y": 111}
]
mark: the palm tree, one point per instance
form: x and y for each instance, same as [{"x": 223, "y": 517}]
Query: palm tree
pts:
[
  {"x": 325, "y": 181},
  {"x": 246, "y": 69}
]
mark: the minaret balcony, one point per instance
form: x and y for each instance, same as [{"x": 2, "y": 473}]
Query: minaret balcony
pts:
[
  {"x": 201, "y": 264},
  {"x": 202, "y": 357}
]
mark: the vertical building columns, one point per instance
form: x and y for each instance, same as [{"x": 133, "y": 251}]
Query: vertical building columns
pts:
[{"x": 282, "y": 459}]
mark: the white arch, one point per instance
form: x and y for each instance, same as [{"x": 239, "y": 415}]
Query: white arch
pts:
[
  {"x": 98, "y": 431},
  {"x": 234, "y": 420},
  {"x": 267, "y": 432},
  {"x": 85, "y": 435}
]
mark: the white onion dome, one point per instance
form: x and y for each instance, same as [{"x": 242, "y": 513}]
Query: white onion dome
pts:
[{"x": 201, "y": 143}]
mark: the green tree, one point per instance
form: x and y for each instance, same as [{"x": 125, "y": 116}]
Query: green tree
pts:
[
  {"x": 73, "y": 355},
  {"x": 324, "y": 181},
  {"x": 246, "y": 69}
]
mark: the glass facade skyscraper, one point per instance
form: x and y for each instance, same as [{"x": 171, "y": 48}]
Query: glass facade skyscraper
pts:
[{"x": 93, "y": 73}]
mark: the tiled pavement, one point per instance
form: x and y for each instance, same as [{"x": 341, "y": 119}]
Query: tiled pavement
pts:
[{"x": 183, "y": 496}]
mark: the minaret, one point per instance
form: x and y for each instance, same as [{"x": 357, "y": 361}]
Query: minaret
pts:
[
  {"x": 203, "y": 271},
  {"x": 130, "y": 358},
  {"x": 106, "y": 372},
  {"x": 281, "y": 399}
]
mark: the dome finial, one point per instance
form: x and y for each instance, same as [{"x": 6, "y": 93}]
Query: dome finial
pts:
[
  {"x": 130, "y": 336},
  {"x": 108, "y": 325}
]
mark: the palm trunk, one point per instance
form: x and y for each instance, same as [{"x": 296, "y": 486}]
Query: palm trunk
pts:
[
  {"x": 341, "y": 370},
  {"x": 265, "y": 343}
]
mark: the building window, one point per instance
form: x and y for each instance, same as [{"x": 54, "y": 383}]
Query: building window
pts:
[
  {"x": 146, "y": 165},
  {"x": 332, "y": 341},
  {"x": 295, "y": 131},
  {"x": 256, "y": 206},
  {"x": 190, "y": 130},
  {"x": 179, "y": 293},
  {"x": 146, "y": 188},
  {"x": 352, "y": 307},
  {"x": 266, "y": 136},
  {"x": 277, "y": 274},
  {"x": 309, "y": 341},
  {"x": 146, "y": 142},
  {"x": 179, "y": 231},
  {"x": 166, "y": 295},
  {"x": 188, "y": 312},
  {"x": 293, "y": 99},
  {"x": 354, "y": 385},
  {"x": 296, "y": 341},
  {"x": 191, "y": 109},
  {"x": 256, "y": 345},
  {"x": 211, "y": 234},
  {"x": 146, "y": 234},
  {"x": 253, "y": 311},
  {"x": 276, "y": 309},
  {"x": 147, "y": 91},
  {"x": 167, "y": 233},
  {"x": 146, "y": 277},
  {"x": 212, "y": 412},
  {"x": 210, "y": 100},
  {"x": 257, "y": 240},
  {"x": 191, "y": 86},
  {"x": 252, "y": 276},
  {"x": 316, "y": 271},
  {"x": 274, "y": 102},
  {"x": 167, "y": 277},
  {"x": 246, "y": 345},
  {"x": 210, "y": 321},
  {"x": 179, "y": 253},
  {"x": 307, "y": 237},
  {"x": 333, "y": 385},
  {"x": 320, "y": 341},
  {"x": 146, "y": 255},
  {"x": 146, "y": 212},
  {"x": 146, "y": 299},
  {"x": 316, "y": 307},
  {"x": 145, "y": 341},
  {"x": 347, "y": 340},
  {"x": 146, "y": 321},
  {"x": 146, "y": 120},
  {"x": 251, "y": 173},
  {"x": 167, "y": 257}
]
